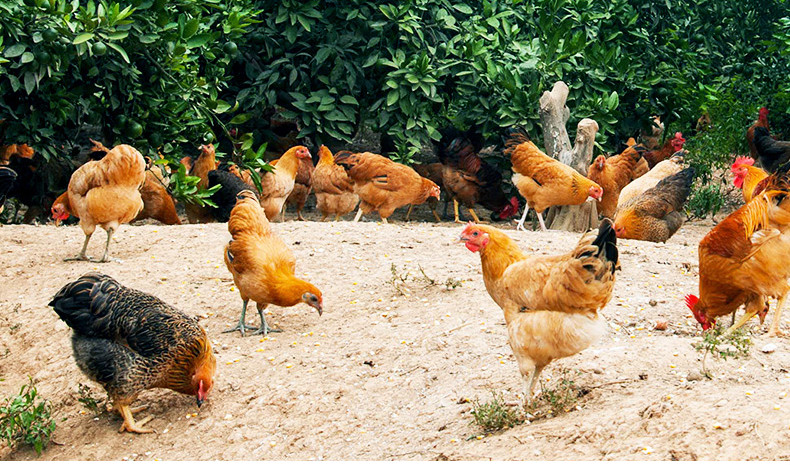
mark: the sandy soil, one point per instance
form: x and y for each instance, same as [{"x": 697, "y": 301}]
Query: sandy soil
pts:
[{"x": 383, "y": 376}]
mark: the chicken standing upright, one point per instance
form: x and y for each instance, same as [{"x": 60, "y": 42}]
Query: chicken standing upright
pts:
[
  {"x": 543, "y": 181},
  {"x": 743, "y": 260},
  {"x": 656, "y": 214},
  {"x": 551, "y": 304},
  {"x": 105, "y": 193},
  {"x": 129, "y": 341},
  {"x": 262, "y": 265},
  {"x": 762, "y": 121},
  {"x": 334, "y": 191},
  {"x": 303, "y": 184},
  {"x": 205, "y": 162},
  {"x": 468, "y": 179},
  {"x": 747, "y": 176},
  {"x": 278, "y": 184},
  {"x": 613, "y": 174},
  {"x": 384, "y": 185}
]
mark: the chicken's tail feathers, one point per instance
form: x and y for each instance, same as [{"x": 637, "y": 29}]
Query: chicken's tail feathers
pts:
[
  {"x": 514, "y": 136},
  {"x": 345, "y": 159},
  {"x": 606, "y": 242},
  {"x": 80, "y": 303}
]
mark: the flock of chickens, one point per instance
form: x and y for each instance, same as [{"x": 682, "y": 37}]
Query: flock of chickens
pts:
[{"x": 130, "y": 341}]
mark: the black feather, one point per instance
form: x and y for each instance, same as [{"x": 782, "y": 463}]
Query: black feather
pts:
[
  {"x": 225, "y": 197},
  {"x": 770, "y": 153},
  {"x": 7, "y": 180}
]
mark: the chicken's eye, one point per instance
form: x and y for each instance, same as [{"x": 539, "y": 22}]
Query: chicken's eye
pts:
[{"x": 475, "y": 233}]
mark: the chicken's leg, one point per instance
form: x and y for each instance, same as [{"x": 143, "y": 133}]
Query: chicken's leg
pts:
[
  {"x": 530, "y": 385},
  {"x": 384, "y": 220},
  {"x": 455, "y": 209},
  {"x": 323, "y": 218},
  {"x": 474, "y": 215},
  {"x": 435, "y": 215},
  {"x": 520, "y": 224},
  {"x": 542, "y": 224},
  {"x": 241, "y": 327},
  {"x": 752, "y": 309},
  {"x": 265, "y": 329},
  {"x": 408, "y": 213},
  {"x": 774, "y": 331},
  {"x": 337, "y": 217},
  {"x": 299, "y": 215},
  {"x": 129, "y": 424},
  {"x": 106, "y": 256},
  {"x": 359, "y": 215},
  {"x": 82, "y": 255}
]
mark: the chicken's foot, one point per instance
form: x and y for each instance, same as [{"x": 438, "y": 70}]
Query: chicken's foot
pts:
[
  {"x": 408, "y": 213},
  {"x": 130, "y": 425},
  {"x": 265, "y": 328},
  {"x": 520, "y": 224},
  {"x": 81, "y": 256},
  {"x": 455, "y": 210},
  {"x": 436, "y": 215},
  {"x": 751, "y": 310},
  {"x": 774, "y": 331},
  {"x": 337, "y": 217},
  {"x": 299, "y": 215},
  {"x": 474, "y": 215},
  {"x": 542, "y": 224},
  {"x": 106, "y": 257},
  {"x": 530, "y": 385},
  {"x": 359, "y": 215},
  {"x": 241, "y": 327}
]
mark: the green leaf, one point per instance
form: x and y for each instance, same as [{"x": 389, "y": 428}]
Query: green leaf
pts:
[
  {"x": 349, "y": 99},
  {"x": 392, "y": 97},
  {"x": 30, "y": 82},
  {"x": 222, "y": 107},
  {"x": 190, "y": 28},
  {"x": 463, "y": 9},
  {"x": 27, "y": 57},
  {"x": 199, "y": 40},
  {"x": 84, "y": 37},
  {"x": 241, "y": 118},
  {"x": 15, "y": 50},
  {"x": 120, "y": 51}
]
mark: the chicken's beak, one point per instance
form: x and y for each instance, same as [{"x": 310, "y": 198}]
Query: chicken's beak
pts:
[
  {"x": 199, "y": 402},
  {"x": 462, "y": 239},
  {"x": 320, "y": 309}
]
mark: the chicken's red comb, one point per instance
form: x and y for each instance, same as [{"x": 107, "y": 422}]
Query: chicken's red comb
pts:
[
  {"x": 691, "y": 301},
  {"x": 679, "y": 135},
  {"x": 764, "y": 112},
  {"x": 743, "y": 161}
]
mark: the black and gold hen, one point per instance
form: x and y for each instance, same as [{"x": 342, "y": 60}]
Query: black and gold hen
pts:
[{"x": 130, "y": 341}]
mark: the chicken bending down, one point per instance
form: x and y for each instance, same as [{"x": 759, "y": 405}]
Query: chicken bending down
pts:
[
  {"x": 129, "y": 341},
  {"x": 105, "y": 193},
  {"x": 551, "y": 304},
  {"x": 262, "y": 265},
  {"x": 334, "y": 191},
  {"x": 656, "y": 214},
  {"x": 543, "y": 181},
  {"x": 649, "y": 180},
  {"x": 384, "y": 185},
  {"x": 744, "y": 260}
]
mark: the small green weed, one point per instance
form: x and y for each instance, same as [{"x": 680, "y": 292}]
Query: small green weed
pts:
[
  {"x": 495, "y": 415},
  {"x": 714, "y": 342},
  {"x": 26, "y": 418},
  {"x": 88, "y": 401},
  {"x": 398, "y": 280},
  {"x": 561, "y": 396}
]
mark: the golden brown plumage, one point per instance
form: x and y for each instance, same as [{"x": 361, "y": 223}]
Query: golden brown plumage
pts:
[
  {"x": 130, "y": 341},
  {"x": 743, "y": 260},
  {"x": 277, "y": 185},
  {"x": 157, "y": 202},
  {"x": 551, "y": 304},
  {"x": 262, "y": 265},
  {"x": 671, "y": 145},
  {"x": 303, "y": 184},
  {"x": 543, "y": 181},
  {"x": 206, "y": 161},
  {"x": 106, "y": 193},
  {"x": 613, "y": 174},
  {"x": 384, "y": 185},
  {"x": 334, "y": 191},
  {"x": 656, "y": 214}
]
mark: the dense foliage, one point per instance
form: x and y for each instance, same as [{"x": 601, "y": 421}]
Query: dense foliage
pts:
[{"x": 170, "y": 74}]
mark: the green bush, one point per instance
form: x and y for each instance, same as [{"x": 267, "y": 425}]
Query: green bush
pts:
[{"x": 25, "y": 419}]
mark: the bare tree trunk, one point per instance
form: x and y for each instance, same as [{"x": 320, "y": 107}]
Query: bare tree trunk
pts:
[{"x": 554, "y": 116}]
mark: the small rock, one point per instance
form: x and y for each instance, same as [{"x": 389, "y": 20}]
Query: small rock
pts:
[
  {"x": 661, "y": 325},
  {"x": 721, "y": 403},
  {"x": 694, "y": 375},
  {"x": 768, "y": 348},
  {"x": 653, "y": 302},
  {"x": 597, "y": 370}
]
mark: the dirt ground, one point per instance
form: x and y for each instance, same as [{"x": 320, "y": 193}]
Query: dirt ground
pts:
[{"x": 383, "y": 375}]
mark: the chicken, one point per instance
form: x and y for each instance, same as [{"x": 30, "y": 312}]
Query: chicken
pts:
[
  {"x": 129, "y": 341},
  {"x": 334, "y": 191},
  {"x": 303, "y": 184},
  {"x": 7, "y": 179},
  {"x": 771, "y": 153},
  {"x": 747, "y": 176},
  {"x": 7, "y": 152},
  {"x": 613, "y": 174},
  {"x": 384, "y": 185},
  {"x": 468, "y": 179},
  {"x": 225, "y": 197},
  {"x": 543, "y": 181},
  {"x": 671, "y": 146},
  {"x": 641, "y": 167},
  {"x": 649, "y": 180},
  {"x": 244, "y": 175},
  {"x": 551, "y": 303},
  {"x": 205, "y": 162},
  {"x": 743, "y": 261},
  {"x": 278, "y": 184},
  {"x": 432, "y": 171},
  {"x": 262, "y": 265},
  {"x": 104, "y": 193},
  {"x": 157, "y": 202},
  {"x": 762, "y": 121},
  {"x": 651, "y": 137},
  {"x": 656, "y": 214}
]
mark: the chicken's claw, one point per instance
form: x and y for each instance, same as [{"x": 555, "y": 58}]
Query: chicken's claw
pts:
[{"x": 241, "y": 328}]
